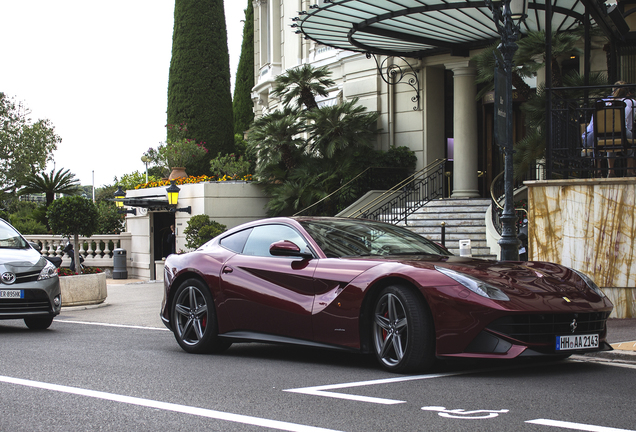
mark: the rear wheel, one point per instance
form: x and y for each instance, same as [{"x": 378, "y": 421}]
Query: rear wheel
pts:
[
  {"x": 38, "y": 323},
  {"x": 403, "y": 334},
  {"x": 194, "y": 319}
]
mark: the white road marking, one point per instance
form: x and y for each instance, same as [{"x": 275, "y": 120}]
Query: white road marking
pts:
[
  {"x": 184, "y": 409},
  {"x": 321, "y": 390},
  {"x": 463, "y": 414},
  {"x": 576, "y": 426},
  {"x": 110, "y": 325}
]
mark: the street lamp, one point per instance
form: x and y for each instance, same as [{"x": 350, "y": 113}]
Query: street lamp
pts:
[
  {"x": 173, "y": 198},
  {"x": 508, "y": 16},
  {"x": 119, "y": 202},
  {"x": 145, "y": 159}
]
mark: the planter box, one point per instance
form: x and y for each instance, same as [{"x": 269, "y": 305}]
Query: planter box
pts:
[{"x": 83, "y": 289}]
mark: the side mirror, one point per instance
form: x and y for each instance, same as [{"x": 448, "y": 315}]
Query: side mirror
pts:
[
  {"x": 36, "y": 246},
  {"x": 289, "y": 249}
]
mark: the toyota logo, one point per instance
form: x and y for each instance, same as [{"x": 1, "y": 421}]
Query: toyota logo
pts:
[
  {"x": 8, "y": 278},
  {"x": 573, "y": 325}
]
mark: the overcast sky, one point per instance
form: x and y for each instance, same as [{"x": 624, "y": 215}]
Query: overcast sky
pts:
[{"x": 99, "y": 72}]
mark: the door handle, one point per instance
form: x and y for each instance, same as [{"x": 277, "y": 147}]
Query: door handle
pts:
[{"x": 227, "y": 269}]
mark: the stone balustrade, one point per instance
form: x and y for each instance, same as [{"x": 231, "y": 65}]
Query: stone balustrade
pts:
[{"x": 96, "y": 250}]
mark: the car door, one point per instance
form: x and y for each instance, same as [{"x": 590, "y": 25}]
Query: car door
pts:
[{"x": 269, "y": 294}]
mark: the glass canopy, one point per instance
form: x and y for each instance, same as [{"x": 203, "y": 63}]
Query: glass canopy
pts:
[{"x": 421, "y": 28}]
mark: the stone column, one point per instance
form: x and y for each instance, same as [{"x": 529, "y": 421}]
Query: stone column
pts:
[{"x": 464, "y": 130}]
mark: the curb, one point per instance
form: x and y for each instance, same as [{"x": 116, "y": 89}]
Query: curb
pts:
[{"x": 618, "y": 356}]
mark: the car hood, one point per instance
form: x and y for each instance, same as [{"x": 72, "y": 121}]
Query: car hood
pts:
[
  {"x": 21, "y": 260},
  {"x": 517, "y": 279}
]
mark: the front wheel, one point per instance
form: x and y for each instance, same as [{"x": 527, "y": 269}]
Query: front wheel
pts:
[
  {"x": 38, "y": 323},
  {"x": 403, "y": 333},
  {"x": 194, "y": 319}
]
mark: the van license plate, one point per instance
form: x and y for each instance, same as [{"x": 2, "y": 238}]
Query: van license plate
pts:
[{"x": 12, "y": 294}]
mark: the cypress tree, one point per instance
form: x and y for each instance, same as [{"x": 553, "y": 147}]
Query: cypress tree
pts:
[
  {"x": 242, "y": 102},
  {"x": 199, "y": 82}
]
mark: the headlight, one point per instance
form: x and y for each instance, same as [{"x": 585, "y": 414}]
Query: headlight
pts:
[
  {"x": 475, "y": 285},
  {"x": 48, "y": 271},
  {"x": 590, "y": 283}
]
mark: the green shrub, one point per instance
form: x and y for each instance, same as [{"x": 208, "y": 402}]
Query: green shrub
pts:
[
  {"x": 29, "y": 226},
  {"x": 201, "y": 229}
]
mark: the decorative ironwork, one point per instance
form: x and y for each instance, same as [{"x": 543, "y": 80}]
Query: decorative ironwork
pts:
[
  {"x": 398, "y": 203},
  {"x": 394, "y": 74}
]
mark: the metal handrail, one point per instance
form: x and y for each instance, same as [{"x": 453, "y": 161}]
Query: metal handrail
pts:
[
  {"x": 496, "y": 203},
  {"x": 351, "y": 191},
  {"x": 407, "y": 196}
]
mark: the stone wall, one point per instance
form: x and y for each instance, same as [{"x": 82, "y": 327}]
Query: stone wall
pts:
[{"x": 588, "y": 225}]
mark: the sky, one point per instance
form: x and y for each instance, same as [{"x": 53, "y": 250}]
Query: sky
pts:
[{"x": 99, "y": 72}]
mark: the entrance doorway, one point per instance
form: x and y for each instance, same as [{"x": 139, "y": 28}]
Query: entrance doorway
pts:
[{"x": 161, "y": 245}]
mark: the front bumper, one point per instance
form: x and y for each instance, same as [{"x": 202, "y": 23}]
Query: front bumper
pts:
[{"x": 41, "y": 298}]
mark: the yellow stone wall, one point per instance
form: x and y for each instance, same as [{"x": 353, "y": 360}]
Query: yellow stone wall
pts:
[{"x": 588, "y": 225}]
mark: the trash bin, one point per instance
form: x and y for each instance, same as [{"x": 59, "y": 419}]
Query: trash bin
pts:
[{"x": 119, "y": 264}]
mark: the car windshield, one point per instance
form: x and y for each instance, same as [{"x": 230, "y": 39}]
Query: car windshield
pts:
[
  {"x": 341, "y": 237},
  {"x": 10, "y": 238}
]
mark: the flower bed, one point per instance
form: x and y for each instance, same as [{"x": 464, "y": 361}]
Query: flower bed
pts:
[{"x": 193, "y": 179}]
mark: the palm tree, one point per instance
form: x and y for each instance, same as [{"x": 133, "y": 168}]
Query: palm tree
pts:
[
  {"x": 274, "y": 138},
  {"x": 303, "y": 84},
  {"x": 50, "y": 184},
  {"x": 340, "y": 128}
]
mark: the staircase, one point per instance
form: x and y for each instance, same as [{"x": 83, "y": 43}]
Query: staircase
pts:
[{"x": 465, "y": 219}]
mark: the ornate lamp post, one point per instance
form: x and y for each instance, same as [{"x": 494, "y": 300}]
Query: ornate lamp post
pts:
[{"x": 507, "y": 15}]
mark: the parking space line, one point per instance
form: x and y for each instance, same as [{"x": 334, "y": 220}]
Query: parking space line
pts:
[
  {"x": 322, "y": 390},
  {"x": 110, "y": 325},
  {"x": 184, "y": 409},
  {"x": 576, "y": 426}
]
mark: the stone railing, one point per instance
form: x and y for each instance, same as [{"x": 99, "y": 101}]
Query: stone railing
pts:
[{"x": 97, "y": 250}]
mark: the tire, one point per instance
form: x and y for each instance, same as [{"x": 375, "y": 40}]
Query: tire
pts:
[
  {"x": 38, "y": 323},
  {"x": 403, "y": 336},
  {"x": 194, "y": 321}
]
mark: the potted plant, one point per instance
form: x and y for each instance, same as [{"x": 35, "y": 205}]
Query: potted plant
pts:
[{"x": 178, "y": 152}]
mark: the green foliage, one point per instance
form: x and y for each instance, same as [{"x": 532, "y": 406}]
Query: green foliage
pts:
[
  {"x": 25, "y": 147},
  {"x": 60, "y": 182},
  {"x": 200, "y": 230},
  {"x": 299, "y": 86},
  {"x": 73, "y": 215},
  {"x": 199, "y": 79},
  {"x": 302, "y": 156},
  {"x": 29, "y": 226},
  {"x": 127, "y": 182},
  {"x": 230, "y": 166},
  {"x": 242, "y": 102},
  {"x": 109, "y": 220},
  {"x": 27, "y": 217},
  {"x": 398, "y": 157}
]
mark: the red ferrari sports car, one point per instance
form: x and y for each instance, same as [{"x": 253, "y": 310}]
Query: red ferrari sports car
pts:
[{"x": 373, "y": 287}]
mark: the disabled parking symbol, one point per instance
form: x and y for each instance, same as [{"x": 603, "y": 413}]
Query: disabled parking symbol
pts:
[{"x": 463, "y": 414}]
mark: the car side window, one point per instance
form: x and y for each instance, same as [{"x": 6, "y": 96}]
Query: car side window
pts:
[
  {"x": 236, "y": 241},
  {"x": 263, "y": 236}
]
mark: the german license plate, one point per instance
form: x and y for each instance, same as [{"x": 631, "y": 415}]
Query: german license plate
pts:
[
  {"x": 11, "y": 294},
  {"x": 576, "y": 342}
]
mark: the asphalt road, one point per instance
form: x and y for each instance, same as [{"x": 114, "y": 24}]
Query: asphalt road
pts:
[{"x": 115, "y": 368}]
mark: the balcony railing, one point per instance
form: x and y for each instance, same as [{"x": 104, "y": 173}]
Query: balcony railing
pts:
[
  {"x": 96, "y": 250},
  {"x": 570, "y": 151}
]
